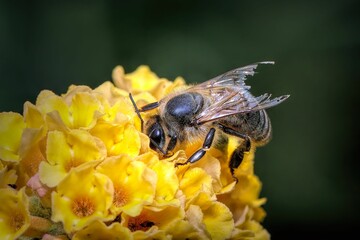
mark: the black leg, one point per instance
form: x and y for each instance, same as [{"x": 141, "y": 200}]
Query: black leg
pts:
[
  {"x": 201, "y": 152},
  {"x": 237, "y": 157},
  {"x": 238, "y": 154}
]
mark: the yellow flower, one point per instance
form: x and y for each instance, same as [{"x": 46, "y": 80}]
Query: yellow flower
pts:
[
  {"x": 195, "y": 182},
  {"x": 154, "y": 223},
  {"x": 212, "y": 220},
  {"x": 118, "y": 138},
  {"x": 78, "y": 108},
  {"x": 14, "y": 214},
  {"x": 65, "y": 152},
  {"x": 248, "y": 227},
  {"x": 90, "y": 172},
  {"x": 82, "y": 197},
  {"x": 11, "y": 128},
  {"x": 134, "y": 184},
  {"x": 167, "y": 184}
]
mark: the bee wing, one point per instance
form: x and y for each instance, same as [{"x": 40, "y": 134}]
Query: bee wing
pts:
[
  {"x": 237, "y": 103},
  {"x": 235, "y": 77},
  {"x": 229, "y": 95}
]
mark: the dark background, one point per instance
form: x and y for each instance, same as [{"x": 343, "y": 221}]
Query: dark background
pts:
[{"x": 310, "y": 170}]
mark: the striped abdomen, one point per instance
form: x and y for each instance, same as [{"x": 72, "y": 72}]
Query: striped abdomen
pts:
[{"x": 256, "y": 125}]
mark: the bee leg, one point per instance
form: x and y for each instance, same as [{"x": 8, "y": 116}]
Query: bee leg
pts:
[
  {"x": 201, "y": 152},
  {"x": 237, "y": 157},
  {"x": 238, "y": 154}
]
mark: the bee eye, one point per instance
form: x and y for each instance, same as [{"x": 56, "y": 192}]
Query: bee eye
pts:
[{"x": 156, "y": 134}]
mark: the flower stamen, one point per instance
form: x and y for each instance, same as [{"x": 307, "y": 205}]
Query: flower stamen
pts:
[
  {"x": 17, "y": 220},
  {"x": 121, "y": 197},
  {"x": 83, "y": 207}
]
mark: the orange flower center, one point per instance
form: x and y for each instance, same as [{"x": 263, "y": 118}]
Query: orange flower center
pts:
[
  {"x": 17, "y": 220},
  {"x": 140, "y": 222},
  {"x": 121, "y": 197},
  {"x": 83, "y": 207}
]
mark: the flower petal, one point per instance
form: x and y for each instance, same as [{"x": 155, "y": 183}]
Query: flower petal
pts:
[
  {"x": 99, "y": 230},
  {"x": 82, "y": 197},
  {"x": 134, "y": 184},
  {"x": 83, "y": 108},
  {"x": 11, "y": 129},
  {"x": 14, "y": 214},
  {"x": 68, "y": 151},
  {"x": 218, "y": 221}
]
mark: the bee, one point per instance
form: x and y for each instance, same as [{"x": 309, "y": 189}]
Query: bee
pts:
[{"x": 223, "y": 104}]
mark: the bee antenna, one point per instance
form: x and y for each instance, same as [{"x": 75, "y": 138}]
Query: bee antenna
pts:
[{"x": 137, "y": 111}]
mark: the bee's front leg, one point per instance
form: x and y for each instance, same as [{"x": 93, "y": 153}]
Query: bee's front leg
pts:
[{"x": 201, "y": 152}]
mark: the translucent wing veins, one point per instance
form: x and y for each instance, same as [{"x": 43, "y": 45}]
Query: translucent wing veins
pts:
[{"x": 229, "y": 95}]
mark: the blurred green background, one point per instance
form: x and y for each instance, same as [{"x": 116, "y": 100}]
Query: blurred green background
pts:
[{"x": 310, "y": 170}]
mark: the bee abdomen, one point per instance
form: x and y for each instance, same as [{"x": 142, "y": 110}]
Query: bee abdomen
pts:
[
  {"x": 262, "y": 131},
  {"x": 256, "y": 125}
]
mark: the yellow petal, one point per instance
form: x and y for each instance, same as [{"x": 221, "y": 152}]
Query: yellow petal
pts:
[
  {"x": 142, "y": 79},
  {"x": 33, "y": 116},
  {"x": 48, "y": 102},
  {"x": 98, "y": 231},
  {"x": 73, "y": 90},
  {"x": 134, "y": 184},
  {"x": 7, "y": 177},
  {"x": 11, "y": 129},
  {"x": 83, "y": 108},
  {"x": 195, "y": 181},
  {"x": 195, "y": 217},
  {"x": 255, "y": 227},
  {"x": 118, "y": 139},
  {"x": 110, "y": 92},
  {"x": 149, "y": 220},
  {"x": 32, "y": 154},
  {"x": 14, "y": 214},
  {"x": 167, "y": 184},
  {"x": 57, "y": 149},
  {"x": 218, "y": 221},
  {"x": 127, "y": 142},
  {"x": 81, "y": 198},
  {"x": 248, "y": 189},
  {"x": 65, "y": 152}
]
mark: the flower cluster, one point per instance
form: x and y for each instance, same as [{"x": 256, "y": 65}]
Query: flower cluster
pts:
[{"x": 77, "y": 166}]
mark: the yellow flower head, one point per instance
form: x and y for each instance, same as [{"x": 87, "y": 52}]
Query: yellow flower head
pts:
[{"x": 85, "y": 159}]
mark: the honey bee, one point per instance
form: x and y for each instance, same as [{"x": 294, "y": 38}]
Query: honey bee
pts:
[{"x": 224, "y": 104}]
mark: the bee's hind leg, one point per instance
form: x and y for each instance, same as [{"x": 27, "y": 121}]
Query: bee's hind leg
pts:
[
  {"x": 201, "y": 152},
  {"x": 238, "y": 155}
]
